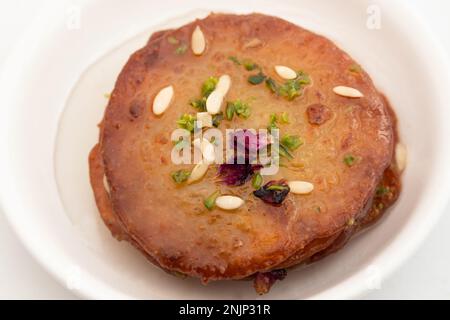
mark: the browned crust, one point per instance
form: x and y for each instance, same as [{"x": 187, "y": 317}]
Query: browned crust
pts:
[
  {"x": 97, "y": 174},
  {"x": 112, "y": 208},
  {"x": 103, "y": 201}
]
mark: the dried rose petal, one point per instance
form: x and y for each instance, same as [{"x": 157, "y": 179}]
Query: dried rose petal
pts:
[
  {"x": 251, "y": 140},
  {"x": 246, "y": 143},
  {"x": 273, "y": 192},
  {"x": 264, "y": 280},
  {"x": 237, "y": 174}
]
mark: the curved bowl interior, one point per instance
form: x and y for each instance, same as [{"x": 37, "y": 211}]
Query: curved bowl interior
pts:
[{"x": 54, "y": 86}]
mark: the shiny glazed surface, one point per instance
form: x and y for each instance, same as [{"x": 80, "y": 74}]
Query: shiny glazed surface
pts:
[{"x": 169, "y": 223}]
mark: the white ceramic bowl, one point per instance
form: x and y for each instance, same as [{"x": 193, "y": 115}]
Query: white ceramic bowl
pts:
[{"x": 52, "y": 92}]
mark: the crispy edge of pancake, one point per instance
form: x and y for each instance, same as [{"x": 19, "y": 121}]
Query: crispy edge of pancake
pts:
[
  {"x": 316, "y": 249},
  {"x": 150, "y": 53},
  {"x": 104, "y": 206},
  {"x": 315, "y": 245}
]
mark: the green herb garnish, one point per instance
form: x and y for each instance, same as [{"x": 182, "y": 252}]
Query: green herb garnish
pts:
[
  {"x": 235, "y": 60},
  {"x": 257, "y": 78},
  {"x": 349, "y": 160},
  {"x": 247, "y": 63},
  {"x": 187, "y": 121},
  {"x": 216, "y": 119},
  {"x": 242, "y": 109},
  {"x": 284, "y": 118},
  {"x": 272, "y": 85},
  {"x": 181, "y": 49},
  {"x": 238, "y": 107},
  {"x": 229, "y": 111},
  {"x": 250, "y": 65},
  {"x": 284, "y": 152},
  {"x": 199, "y": 104},
  {"x": 257, "y": 181},
  {"x": 272, "y": 122},
  {"x": 277, "y": 188},
  {"x": 214, "y": 141},
  {"x": 290, "y": 89},
  {"x": 209, "y": 86},
  {"x": 180, "y": 176},
  {"x": 291, "y": 142},
  {"x": 211, "y": 200},
  {"x": 303, "y": 79},
  {"x": 173, "y": 40}
]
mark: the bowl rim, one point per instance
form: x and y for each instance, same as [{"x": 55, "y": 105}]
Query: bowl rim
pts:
[{"x": 403, "y": 243}]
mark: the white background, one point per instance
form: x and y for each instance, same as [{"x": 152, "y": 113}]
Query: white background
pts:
[{"x": 426, "y": 275}]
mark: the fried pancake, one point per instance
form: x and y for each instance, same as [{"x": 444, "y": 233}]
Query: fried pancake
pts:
[{"x": 169, "y": 223}]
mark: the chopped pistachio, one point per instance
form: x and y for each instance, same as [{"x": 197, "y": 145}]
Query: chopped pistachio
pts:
[
  {"x": 181, "y": 49},
  {"x": 208, "y": 86},
  {"x": 277, "y": 188},
  {"x": 257, "y": 181},
  {"x": 210, "y": 201},
  {"x": 173, "y": 40},
  {"x": 235, "y": 60},
  {"x": 284, "y": 152},
  {"x": 349, "y": 160},
  {"x": 186, "y": 121},
  {"x": 291, "y": 142},
  {"x": 229, "y": 111},
  {"x": 272, "y": 85},
  {"x": 199, "y": 104},
  {"x": 216, "y": 119},
  {"x": 214, "y": 141},
  {"x": 180, "y": 176},
  {"x": 249, "y": 65},
  {"x": 257, "y": 78},
  {"x": 242, "y": 109},
  {"x": 272, "y": 122},
  {"x": 303, "y": 78},
  {"x": 284, "y": 117},
  {"x": 292, "y": 88}
]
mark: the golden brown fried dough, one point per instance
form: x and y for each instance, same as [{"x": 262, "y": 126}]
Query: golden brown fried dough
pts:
[{"x": 168, "y": 222}]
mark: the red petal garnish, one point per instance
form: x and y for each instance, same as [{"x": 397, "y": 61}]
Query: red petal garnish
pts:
[
  {"x": 244, "y": 143},
  {"x": 270, "y": 194},
  {"x": 237, "y": 174},
  {"x": 252, "y": 141}
]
